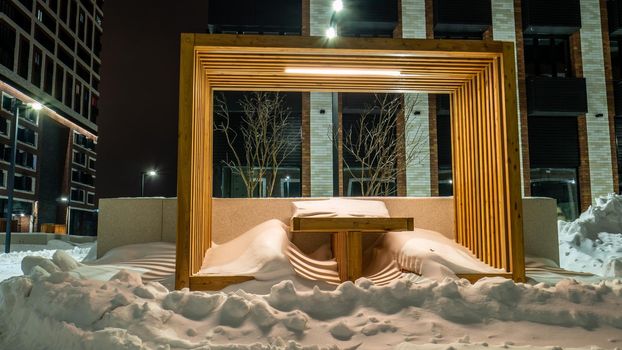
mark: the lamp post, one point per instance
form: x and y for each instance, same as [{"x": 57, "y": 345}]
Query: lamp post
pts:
[
  {"x": 150, "y": 173},
  {"x": 10, "y": 183}
]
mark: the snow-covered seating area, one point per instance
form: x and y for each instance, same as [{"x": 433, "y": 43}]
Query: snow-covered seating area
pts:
[{"x": 124, "y": 221}]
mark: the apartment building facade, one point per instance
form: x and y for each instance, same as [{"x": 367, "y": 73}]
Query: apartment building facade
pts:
[
  {"x": 568, "y": 62},
  {"x": 50, "y": 54}
]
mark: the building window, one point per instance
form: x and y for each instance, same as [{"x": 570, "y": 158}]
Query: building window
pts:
[
  {"x": 7, "y": 101},
  {"x": 7, "y": 45},
  {"x": 82, "y": 177},
  {"x": 92, "y": 163},
  {"x": 24, "y": 183},
  {"x": 548, "y": 56},
  {"x": 90, "y": 198},
  {"x": 79, "y": 158},
  {"x": 27, "y": 136},
  {"x": 77, "y": 195},
  {"x": 3, "y": 177},
  {"x": 4, "y": 126},
  {"x": 83, "y": 141},
  {"x": 24, "y": 55},
  {"x": 37, "y": 63},
  {"x": 25, "y": 159}
]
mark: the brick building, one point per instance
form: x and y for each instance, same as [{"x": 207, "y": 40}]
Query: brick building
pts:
[{"x": 567, "y": 54}]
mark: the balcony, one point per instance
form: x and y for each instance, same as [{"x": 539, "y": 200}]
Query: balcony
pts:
[
  {"x": 548, "y": 96},
  {"x": 561, "y": 17},
  {"x": 459, "y": 16}
]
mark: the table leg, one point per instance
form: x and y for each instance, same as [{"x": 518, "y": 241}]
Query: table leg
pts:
[
  {"x": 340, "y": 252},
  {"x": 355, "y": 255}
]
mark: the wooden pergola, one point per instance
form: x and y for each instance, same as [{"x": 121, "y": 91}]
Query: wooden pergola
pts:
[{"x": 479, "y": 75}]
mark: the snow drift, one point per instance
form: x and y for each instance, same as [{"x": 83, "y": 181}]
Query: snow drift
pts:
[{"x": 593, "y": 242}]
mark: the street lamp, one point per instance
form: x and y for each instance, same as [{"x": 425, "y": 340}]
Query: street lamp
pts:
[
  {"x": 15, "y": 104},
  {"x": 150, "y": 173}
]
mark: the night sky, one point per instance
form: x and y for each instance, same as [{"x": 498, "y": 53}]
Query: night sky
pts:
[{"x": 139, "y": 93}]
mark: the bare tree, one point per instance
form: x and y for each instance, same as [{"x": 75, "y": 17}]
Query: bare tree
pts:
[
  {"x": 383, "y": 133},
  {"x": 265, "y": 144}
]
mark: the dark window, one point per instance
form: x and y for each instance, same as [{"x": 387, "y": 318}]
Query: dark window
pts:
[
  {"x": 547, "y": 56},
  {"x": 96, "y": 67},
  {"x": 15, "y": 14},
  {"x": 90, "y": 198},
  {"x": 86, "y": 95},
  {"x": 68, "y": 89},
  {"x": 58, "y": 82},
  {"x": 62, "y": 12},
  {"x": 94, "y": 108},
  {"x": 48, "y": 81},
  {"x": 42, "y": 37},
  {"x": 24, "y": 55},
  {"x": 79, "y": 158},
  {"x": 65, "y": 57},
  {"x": 92, "y": 163},
  {"x": 30, "y": 115},
  {"x": 97, "y": 46},
  {"x": 83, "y": 72},
  {"x": 66, "y": 38},
  {"x": 46, "y": 18},
  {"x": 4, "y": 126},
  {"x": 27, "y": 4},
  {"x": 95, "y": 83},
  {"x": 37, "y": 63},
  {"x": 88, "y": 5},
  {"x": 7, "y": 45},
  {"x": 84, "y": 55},
  {"x": 82, "y": 177},
  {"x": 27, "y": 136},
  {"x": 53, "y": 4},
  {"x": 99, "y": 19},
  {"x": 89, "y": 33},
  {"x": 23, "y": 183},
  {"x": 81, "y": 24},
  {"x": 77, "y": 99},
  {"x": 25, "y": 159},
  {"x": 73, "y": 16},
  {"x": 7, "y": 101},
  {"x": 77, "y": 195}
]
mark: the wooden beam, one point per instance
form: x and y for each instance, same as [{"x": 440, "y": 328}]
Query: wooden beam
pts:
[{"x": 351, "y": 224}]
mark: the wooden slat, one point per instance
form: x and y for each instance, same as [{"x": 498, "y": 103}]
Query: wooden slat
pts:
[
  {"x": 351, "y": 224},
  {"x": 216, "y": 282},
  {"x": 184, "y": 164}
]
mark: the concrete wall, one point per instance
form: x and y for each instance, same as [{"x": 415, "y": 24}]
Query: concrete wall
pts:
[{"x": 126, "y": 221}]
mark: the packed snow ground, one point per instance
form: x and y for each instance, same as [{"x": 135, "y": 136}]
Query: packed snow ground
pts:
[
  {"x": 593, "y": 242},
  {"x": 62, "y": 304},
  {"x": 59, "y": 310}
]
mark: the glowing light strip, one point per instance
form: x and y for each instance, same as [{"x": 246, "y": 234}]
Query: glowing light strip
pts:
[
  {"x": 344, "y": 71},
  {"x": 48, "y": 111}
]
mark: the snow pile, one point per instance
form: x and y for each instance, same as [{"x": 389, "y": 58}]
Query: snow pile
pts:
[
  {"x": 10, "y": 264},
  {"x": 53, "y": 308},
  {"x": 593, "y": 242},
  {"x": 341, "y": 207},
  {"x": 259, "y": 252}
]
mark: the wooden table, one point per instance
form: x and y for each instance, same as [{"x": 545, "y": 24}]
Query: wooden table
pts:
[{"x": 346, "y": 237}]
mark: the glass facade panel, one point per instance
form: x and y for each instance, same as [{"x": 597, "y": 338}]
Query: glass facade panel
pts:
[{"x": 560, "y": 184}]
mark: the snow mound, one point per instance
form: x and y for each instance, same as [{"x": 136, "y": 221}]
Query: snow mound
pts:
[
  {"x": 62, "y": 310},
  {"x": 260, "y": 252},
  {"x": 593, "y": 242}
]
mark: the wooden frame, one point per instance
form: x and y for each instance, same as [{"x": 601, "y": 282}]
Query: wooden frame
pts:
[{"x": 479, "y": 75}]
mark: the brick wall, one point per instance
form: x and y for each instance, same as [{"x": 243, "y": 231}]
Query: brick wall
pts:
[
  {"x": 321, "y": 146},
  {"x": 507, "y": 26},
  {"x": 598, "y": 129}
]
